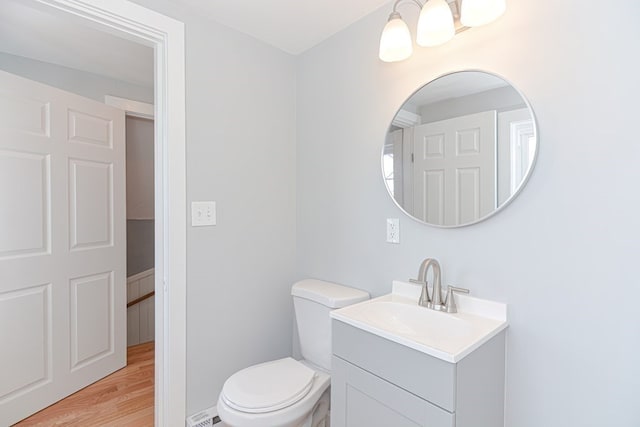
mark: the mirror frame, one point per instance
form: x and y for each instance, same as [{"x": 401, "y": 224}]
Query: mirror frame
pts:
[{"x": 513, "y": 196}]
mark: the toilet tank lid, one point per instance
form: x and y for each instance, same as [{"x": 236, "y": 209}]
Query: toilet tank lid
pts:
[{"x": 328, "y": 294}]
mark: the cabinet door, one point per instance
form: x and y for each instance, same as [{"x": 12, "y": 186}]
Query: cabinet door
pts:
[{"x": 359, "y": 398}]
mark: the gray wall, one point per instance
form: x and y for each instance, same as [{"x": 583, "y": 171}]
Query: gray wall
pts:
[
  {"x": 79, "y": 82},
  {"x": 140, "y": 165},
  {"x": 140, "y": 195},
  {"x": 140, "y": 245},
  {"x": 239, "y": 273},
  {"x": 563, "y": 255}
]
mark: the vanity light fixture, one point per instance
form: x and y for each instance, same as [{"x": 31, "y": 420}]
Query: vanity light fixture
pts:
[{"x": 439, "y": 21}]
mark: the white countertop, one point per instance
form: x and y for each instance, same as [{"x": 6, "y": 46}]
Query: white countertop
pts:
[{"x": 449, "y": 337}]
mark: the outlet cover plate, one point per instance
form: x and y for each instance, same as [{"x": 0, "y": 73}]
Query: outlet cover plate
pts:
[{"x": 393, "y": 230}]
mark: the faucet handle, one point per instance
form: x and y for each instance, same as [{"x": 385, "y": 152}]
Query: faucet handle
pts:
[
  {"x": 424, "y": 299},
  {"x": 449, "y": 302}
]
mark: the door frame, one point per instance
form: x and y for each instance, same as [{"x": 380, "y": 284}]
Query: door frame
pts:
[
  {"x": 131, "y": 107},
  {"x": 166, "y": 36}
]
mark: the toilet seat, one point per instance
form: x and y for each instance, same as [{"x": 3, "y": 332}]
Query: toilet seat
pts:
[
  {"x": 268, "y": 387},
  {"x": 290, "y": 416}
]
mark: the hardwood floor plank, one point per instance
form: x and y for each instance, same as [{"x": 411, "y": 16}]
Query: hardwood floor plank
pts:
[{"x": 124, "y": 398}]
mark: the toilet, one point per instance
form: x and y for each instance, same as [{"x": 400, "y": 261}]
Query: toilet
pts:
[{"x": 288, "y": 392}]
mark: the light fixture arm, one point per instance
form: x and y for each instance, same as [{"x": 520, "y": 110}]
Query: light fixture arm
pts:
[
  {"x": 395, "y": 5},
  {"x": 455, "y": 10},
  {"x": 453, "y": 4}
]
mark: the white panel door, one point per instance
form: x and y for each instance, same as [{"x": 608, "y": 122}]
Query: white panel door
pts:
[
  {"x": 62, "y": 244},
  {"x": 454, "y": 171}
]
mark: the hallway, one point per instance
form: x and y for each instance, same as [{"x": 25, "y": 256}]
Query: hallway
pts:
[{"x": 124, "y": 398}]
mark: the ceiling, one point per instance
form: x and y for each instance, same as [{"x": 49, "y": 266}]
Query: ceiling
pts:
[
  {"x": 290, "y": 25},
  {"x": 28, "y": 30},
  {"x": 454, "y": 85}
]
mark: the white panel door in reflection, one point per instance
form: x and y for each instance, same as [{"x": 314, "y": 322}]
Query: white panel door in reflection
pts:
[{"x": 454, "y": 171}]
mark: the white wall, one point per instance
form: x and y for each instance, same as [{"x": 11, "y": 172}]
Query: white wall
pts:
[
  {"x": 79, "y": 82},
  {"x": 563, "y": 255},
  {"x": 239, "y": 273}
]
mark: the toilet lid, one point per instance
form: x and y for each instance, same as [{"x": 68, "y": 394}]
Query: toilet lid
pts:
[{"x": 269, "y": 386}]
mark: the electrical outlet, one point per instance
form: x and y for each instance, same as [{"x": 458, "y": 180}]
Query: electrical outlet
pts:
[
  {"x": 203, "y": 213},
  {"x": 393, "y": 230}
]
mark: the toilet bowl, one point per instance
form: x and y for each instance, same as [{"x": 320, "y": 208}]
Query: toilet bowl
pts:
[
  {"x": 283, "y": 393},
  {"x": 288, "y": 392}
]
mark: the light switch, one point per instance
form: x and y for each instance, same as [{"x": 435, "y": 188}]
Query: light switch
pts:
[{"x": 203, "y": 213}]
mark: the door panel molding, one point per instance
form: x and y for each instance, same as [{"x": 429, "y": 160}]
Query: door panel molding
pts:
[
  {"x": 91, "y": 303},
  {"x": 27, "y": 232},
  {"x": 34, "y": 313}
]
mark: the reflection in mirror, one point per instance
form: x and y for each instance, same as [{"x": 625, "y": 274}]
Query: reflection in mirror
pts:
[{"x": 459, "y": 149}]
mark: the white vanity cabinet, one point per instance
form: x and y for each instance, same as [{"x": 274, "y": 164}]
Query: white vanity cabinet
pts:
[{"x": 376, "y": 382}]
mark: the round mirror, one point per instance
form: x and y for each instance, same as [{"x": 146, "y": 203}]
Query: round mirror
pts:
[{"x": 459, "y": 149}]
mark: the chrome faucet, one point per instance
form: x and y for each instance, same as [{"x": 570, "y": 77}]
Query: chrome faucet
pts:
[{"x": 435, "y": 301}]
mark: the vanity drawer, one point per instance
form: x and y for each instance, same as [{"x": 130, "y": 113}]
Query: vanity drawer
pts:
[
  {"x": 360, "y": 398},
  {"x": 425, "y": 376}
]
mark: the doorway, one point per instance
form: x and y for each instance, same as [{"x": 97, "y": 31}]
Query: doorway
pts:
[{"x": 166, "y": 36}]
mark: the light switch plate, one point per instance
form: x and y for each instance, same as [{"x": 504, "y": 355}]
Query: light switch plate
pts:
[{"x": 203, "y": 214}]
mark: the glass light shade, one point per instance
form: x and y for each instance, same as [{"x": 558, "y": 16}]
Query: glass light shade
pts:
[
  {"x": 475, "y": 13},
  {"x": 435, "y": 25},
  {"x": 395, "y": 42}
]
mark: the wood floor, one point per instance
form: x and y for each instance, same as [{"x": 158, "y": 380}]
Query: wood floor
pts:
[{"x": 123, "y": 399}]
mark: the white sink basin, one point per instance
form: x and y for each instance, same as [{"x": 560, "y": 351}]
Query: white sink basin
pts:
[
  {"x": 413, "y": 321},
  {"x": 449, "y": 337}
]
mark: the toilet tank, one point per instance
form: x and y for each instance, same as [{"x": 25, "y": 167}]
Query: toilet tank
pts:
[{"x": 312, "y": 302}]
